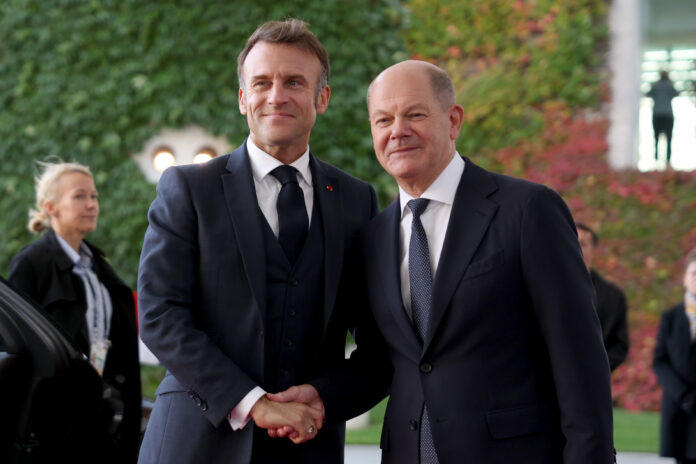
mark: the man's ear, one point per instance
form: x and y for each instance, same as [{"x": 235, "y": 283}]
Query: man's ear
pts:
[
  {"x": 242, "y": 103},
  {"x": 456, "y": 118},
  {"x": 323, "y": 99}
]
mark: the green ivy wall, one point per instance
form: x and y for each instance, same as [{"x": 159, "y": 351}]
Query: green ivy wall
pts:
[{"x": 91, "y": 81}]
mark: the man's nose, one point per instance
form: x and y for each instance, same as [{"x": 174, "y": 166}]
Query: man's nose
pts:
[
  {"x": 400, "y": 128},
  {"x": 277, "y": 95}
]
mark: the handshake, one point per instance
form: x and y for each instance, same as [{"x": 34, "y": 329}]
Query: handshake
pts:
[{"x": 296, "y": 413}]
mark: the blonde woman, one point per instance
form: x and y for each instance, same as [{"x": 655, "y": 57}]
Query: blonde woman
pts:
[{"x": 70, "y": 279}]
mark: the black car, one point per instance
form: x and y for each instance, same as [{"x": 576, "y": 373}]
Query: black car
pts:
[{"x": 53, "y": 403}]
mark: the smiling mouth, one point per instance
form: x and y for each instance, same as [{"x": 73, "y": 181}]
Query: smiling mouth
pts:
[{"x": 401, "y": 150}]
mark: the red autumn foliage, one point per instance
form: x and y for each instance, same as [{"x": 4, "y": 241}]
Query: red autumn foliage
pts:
[
  {"x": 634, "y": 383},
  {"x": 645, "y": 220}
]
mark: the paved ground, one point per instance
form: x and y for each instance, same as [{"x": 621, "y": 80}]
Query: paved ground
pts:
[{"x": 359, "y": 454}]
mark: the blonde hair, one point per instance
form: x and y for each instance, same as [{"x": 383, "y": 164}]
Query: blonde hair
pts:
[{"x": 46, "y": 189}]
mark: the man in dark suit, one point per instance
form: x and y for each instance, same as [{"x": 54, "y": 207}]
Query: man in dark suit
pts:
[
  {"x": 243, "y": 269},
  {"x": 477, "y": 283},
  {"x": 611, "y": 302}
]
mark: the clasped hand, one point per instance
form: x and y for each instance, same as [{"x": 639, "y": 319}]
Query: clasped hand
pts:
[{"x": 296, "y": 413}]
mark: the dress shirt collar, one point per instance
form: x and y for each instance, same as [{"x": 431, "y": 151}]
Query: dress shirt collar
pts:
[
  {"x": 84, "y": 256},
  {"x": 443, "y": 189},
  {"x": 262, "y": 163}
]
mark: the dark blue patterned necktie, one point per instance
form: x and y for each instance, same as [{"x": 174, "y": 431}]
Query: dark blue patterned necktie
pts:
[
  {"x": 292, "y": 212},
  {"x": 420, "y": 275}
]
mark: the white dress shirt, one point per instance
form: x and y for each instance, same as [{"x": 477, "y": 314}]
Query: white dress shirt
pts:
[
  {"x": 267, "y": 190},
  {"x": 435, "y": 219}
]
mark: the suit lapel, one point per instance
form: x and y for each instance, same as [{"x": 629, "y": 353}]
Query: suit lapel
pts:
[
  {"x": 327, "y": 196},
  {"x": 471, "y": 214},
  {"x": 240, "y": 197},
  {"x": 388, "y": 263}
]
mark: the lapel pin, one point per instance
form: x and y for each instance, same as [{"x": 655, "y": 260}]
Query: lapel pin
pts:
[{"x": 329, "y": 188}]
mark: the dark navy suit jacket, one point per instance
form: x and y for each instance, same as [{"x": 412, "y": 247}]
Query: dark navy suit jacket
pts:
[
  {"x": 202, "y": 301},
  {"x": 513, "y": 368}
]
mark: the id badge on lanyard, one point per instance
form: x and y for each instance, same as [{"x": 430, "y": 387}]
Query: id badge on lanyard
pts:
[{"x": 97, "y": 354}]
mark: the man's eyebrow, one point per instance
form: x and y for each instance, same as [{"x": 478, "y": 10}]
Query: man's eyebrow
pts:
[
  {"x": 379, "y": 113},
  {"x": 288, "y": 77},
  {"x": 414, "y": 107}
]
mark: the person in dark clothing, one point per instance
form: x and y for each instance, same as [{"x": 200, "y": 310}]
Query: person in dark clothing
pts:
[
  {"x": 662, "y": 92},
  {"x": 674, "y": 363},
  {"x": 611, "y": 302}
]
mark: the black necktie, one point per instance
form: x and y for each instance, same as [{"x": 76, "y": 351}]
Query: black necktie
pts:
[
  {"x": 420, "y": 275},
  {"x": 292, "y": 212}
]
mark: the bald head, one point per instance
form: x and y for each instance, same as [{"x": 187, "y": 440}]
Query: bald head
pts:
[
  {"x": 414, "y": 122},
  {"x": 440, "y": 83}
]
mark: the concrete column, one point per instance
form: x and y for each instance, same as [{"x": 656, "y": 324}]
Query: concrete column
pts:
[{"x": 625, "y": 58}]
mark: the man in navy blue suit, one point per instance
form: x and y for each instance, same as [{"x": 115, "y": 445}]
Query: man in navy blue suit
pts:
[
  {"x": 477, "y": 284},
  {"x": 245, "y": 282}
]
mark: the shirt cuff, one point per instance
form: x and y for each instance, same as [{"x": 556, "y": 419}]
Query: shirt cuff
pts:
[{"x": 239, "y": 416}]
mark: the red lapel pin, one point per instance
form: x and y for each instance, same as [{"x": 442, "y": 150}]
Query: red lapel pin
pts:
[{"x": 329, "y": 188}]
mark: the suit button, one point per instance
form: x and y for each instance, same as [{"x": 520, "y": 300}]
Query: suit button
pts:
[
  {"x": 204, "y": 406},
  {"x": 292, "y": 313},
  {"x": 413, "y": 425},
  {"x": 294, "y": 282},
  {"x": 196, "y": 399},
  {"x": 426, "y": 368},
  {"x": 284, "y": 372},
  {"x": 288, "y": 343}
]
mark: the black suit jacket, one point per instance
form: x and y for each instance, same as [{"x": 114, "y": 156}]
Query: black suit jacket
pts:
[
  {"x": 513, "y": 368},
  {"x": 675, "y": 365},
  {"x": 43, "y": 271},
  {"x": 611, "y": 310},
  {"x": 202, "y": 305}
]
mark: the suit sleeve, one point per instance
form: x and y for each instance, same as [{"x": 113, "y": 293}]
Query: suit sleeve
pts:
[
  {"x": 563, "y": 301},
  {"x": 362, "y": 380},
  {"x": 167, "y": 282},
  {"x": 617, "y": 340},
  {"x": 671, "y": 381}
]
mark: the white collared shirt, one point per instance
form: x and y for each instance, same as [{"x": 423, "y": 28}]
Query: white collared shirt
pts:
[
  {"x": 435, "y": 219},
  {"x": 268, "y": 187}
]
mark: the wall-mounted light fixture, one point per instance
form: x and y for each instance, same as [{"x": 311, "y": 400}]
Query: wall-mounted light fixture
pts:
[
  {"x": 177, "y": 147},
  {"x": 204, "y": 155},
  {"x": 163, "y": 158}
]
